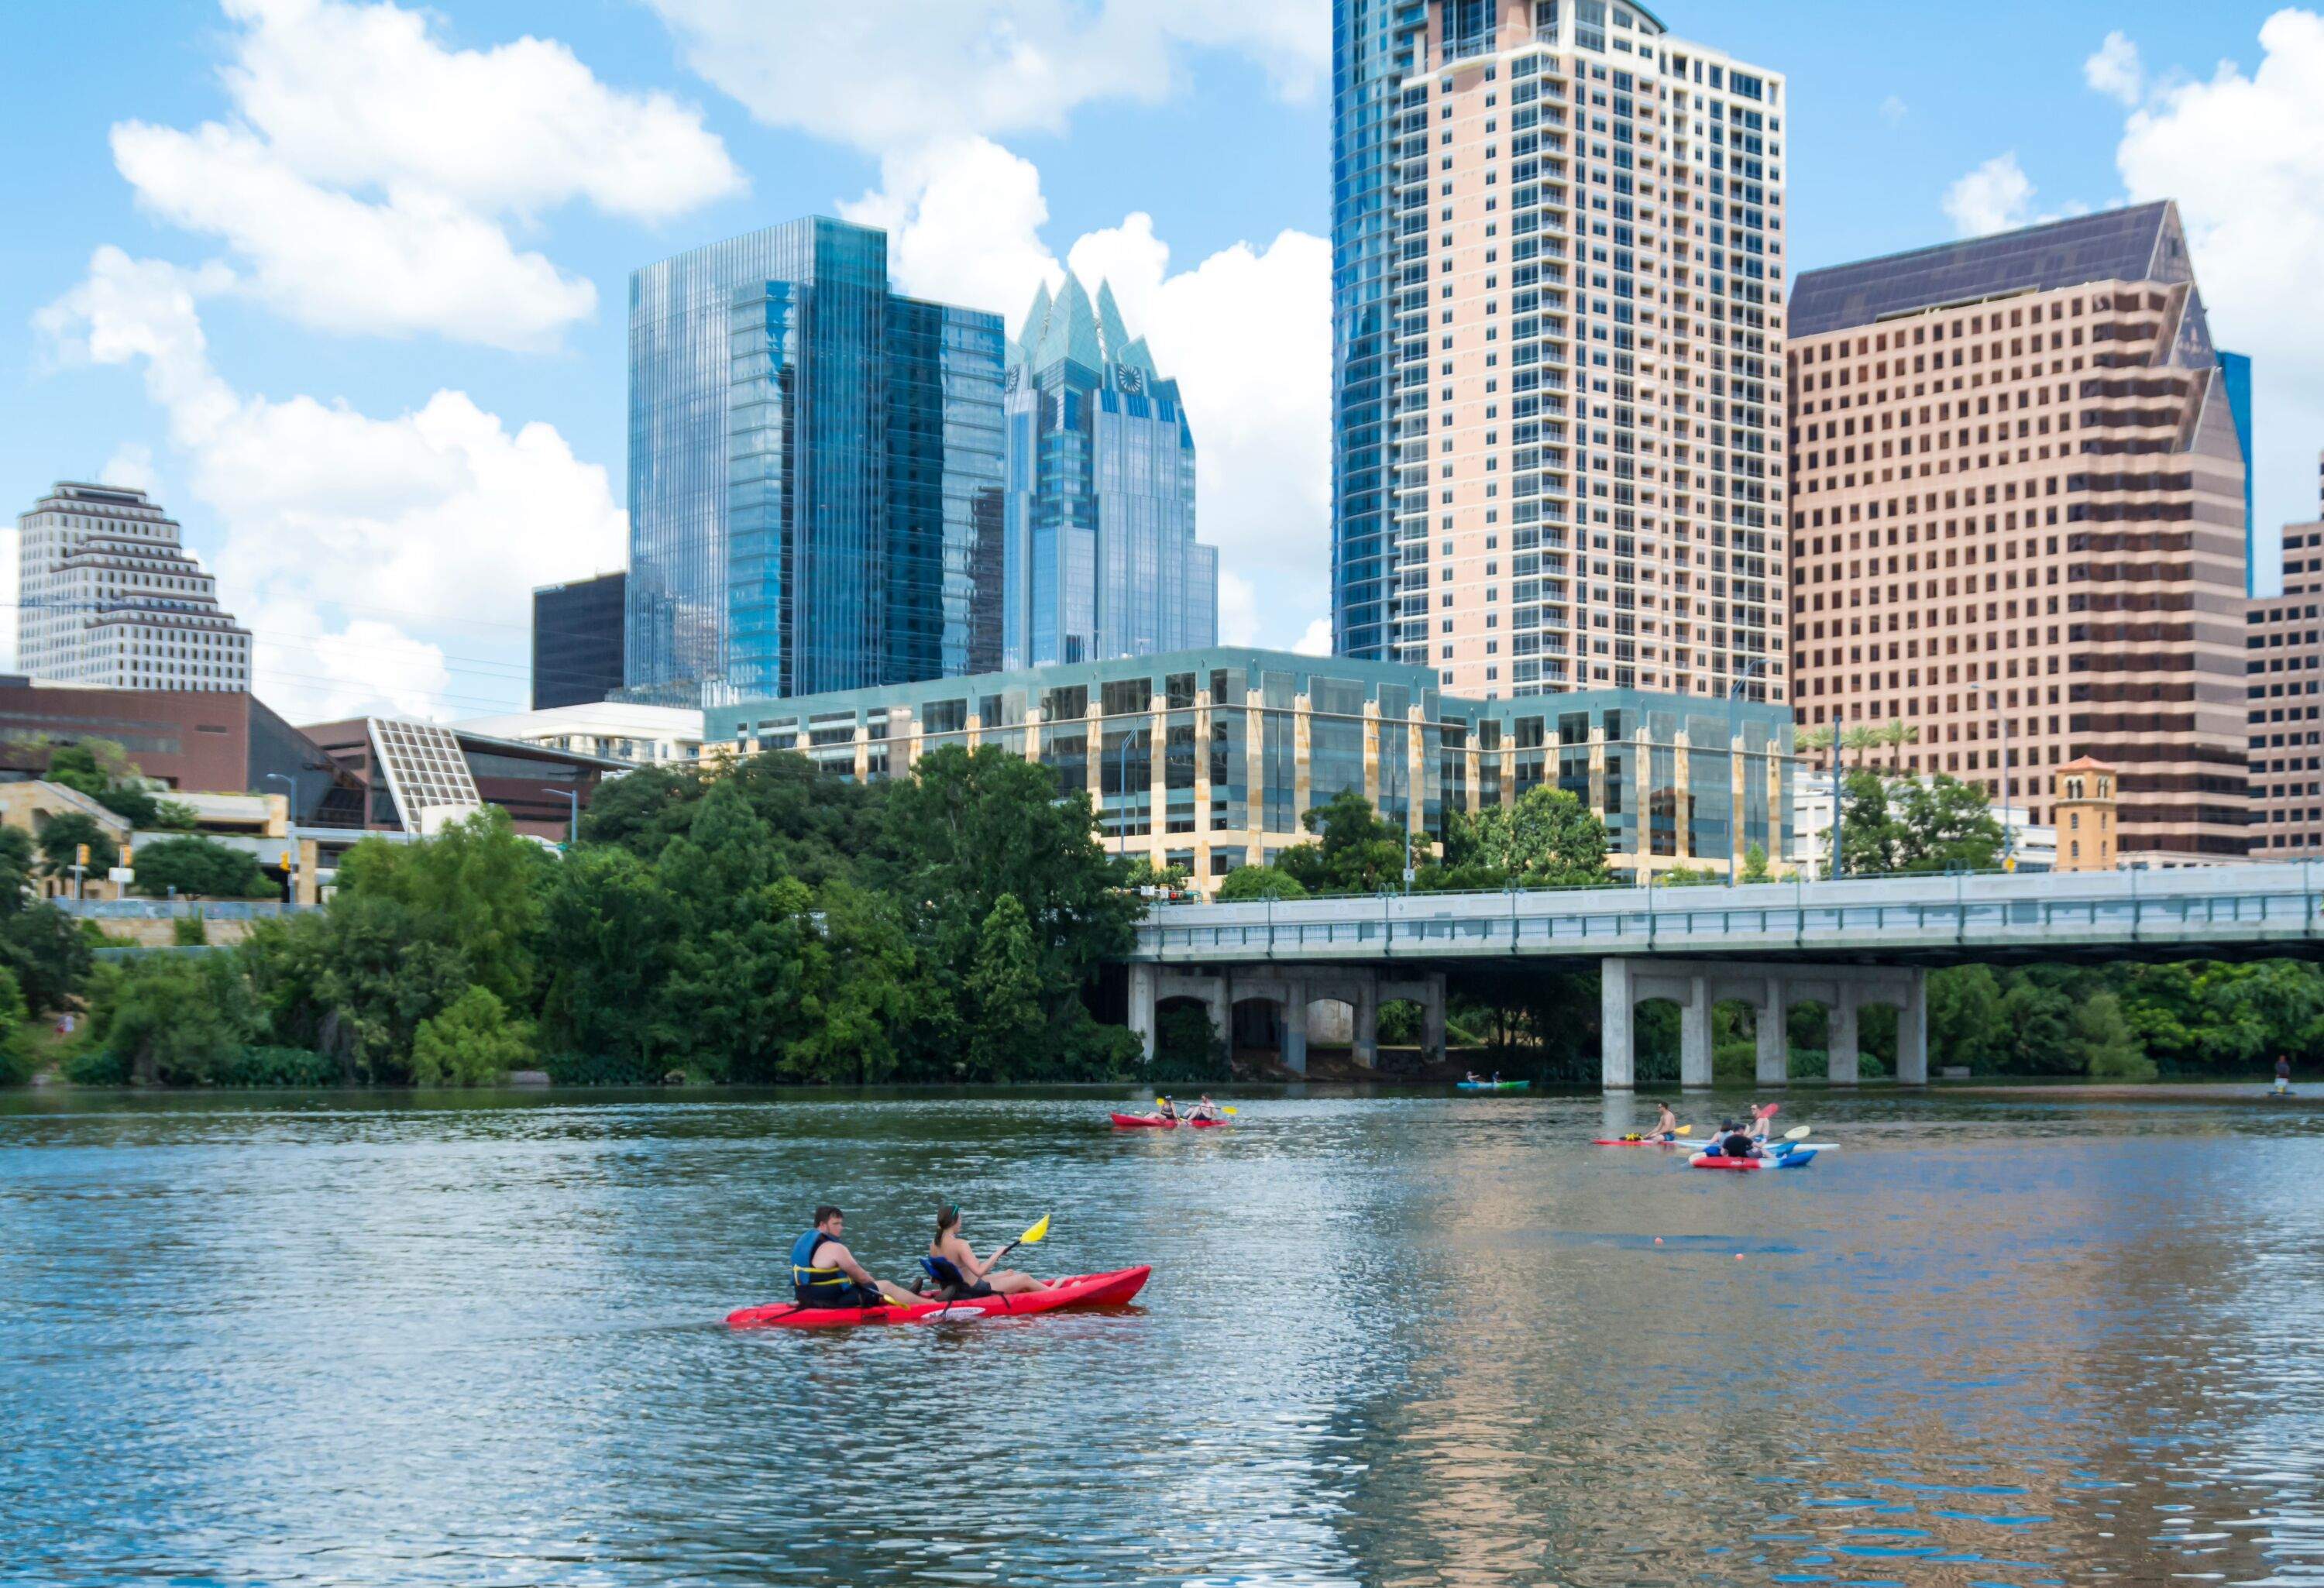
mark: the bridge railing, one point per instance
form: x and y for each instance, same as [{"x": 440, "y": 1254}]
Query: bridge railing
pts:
[{"x": 2221, "y": 905}]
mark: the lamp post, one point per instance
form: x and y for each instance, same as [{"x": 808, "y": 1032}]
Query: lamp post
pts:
[
  {"x": 1734, "y": 833},
  {"x": 290, "y": 826},
  {"x": 2008, "y": 834},
  {"x": 572, "y": 797}
]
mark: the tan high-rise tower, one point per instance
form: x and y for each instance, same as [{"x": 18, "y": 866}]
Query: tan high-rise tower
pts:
[
  {"x": 2017, "y": 519},
  {"x": 1559, "y": 281}
]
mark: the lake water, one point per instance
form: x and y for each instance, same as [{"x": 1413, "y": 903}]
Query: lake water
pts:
[{"x": 1387, "y": 1341}]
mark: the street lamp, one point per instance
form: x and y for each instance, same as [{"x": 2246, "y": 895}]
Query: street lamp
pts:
[
  {"x": 1734, "y": 831},
  {"x": 572, "y": 799},
  {"x": 2008, "y": 834},
  {"x": 290, "y": 826}
]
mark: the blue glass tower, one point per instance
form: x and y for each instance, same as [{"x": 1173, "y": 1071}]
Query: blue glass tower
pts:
[
  {"x": 812, "y": 459},
  {"x": 1101, "y": 559},
  {"x": 1372, "y": 51}
]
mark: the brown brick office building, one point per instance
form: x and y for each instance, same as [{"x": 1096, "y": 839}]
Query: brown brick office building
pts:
[{"x": 2017, "y": 521}]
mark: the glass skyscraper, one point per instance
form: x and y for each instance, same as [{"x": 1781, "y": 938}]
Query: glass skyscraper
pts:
[
  {"x": 1099, "y": 557},
  {"x": 813, "y": 459},
  {"x": 1558, "y": 308}
]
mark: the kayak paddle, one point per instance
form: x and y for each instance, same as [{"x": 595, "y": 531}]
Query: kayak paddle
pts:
[
  {"x": 1032, "y": 1237},
  {"x": 1799, "y": 1132}
]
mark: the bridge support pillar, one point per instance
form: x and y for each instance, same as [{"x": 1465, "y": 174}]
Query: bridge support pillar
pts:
[
  {"x": 1842, "y": 1062},
  {"x": 1365, "y": 1035},
  {"x": 1775, "y": 1052},
  {"x": 1912, "y": 1033},
  {"x": 1618, "y": 1052},
  {"x": 1695, "y": 1036},
  {"x": 1144, "y": 980},
  {"x": 1432, "y": 1021},
  {"x": 1294, "y": 1028}
]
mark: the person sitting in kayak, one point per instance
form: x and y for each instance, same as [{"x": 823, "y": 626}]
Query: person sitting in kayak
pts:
[
  {"x": 1761, "y": 1114},
  {"x": 1734, "y": 1141},
  {"x": 1205, "y": 1110},
  {"x": 952, "y": 1264},
  {"x": 825, "y": 1274},
  {"x": 1473, "y": 1078},
  {"x": 1665, "y": 1124}
]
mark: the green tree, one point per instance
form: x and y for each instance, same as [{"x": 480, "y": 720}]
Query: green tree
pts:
[
  {"x": 874, "y": 989},
  {"x": 200, "y": 868},
  {"x": 477, "y": 884},
  {"x": 1353, "y": 850},
  {"x": 608, "y": 941},
  {"x": 1548, "y": 839},
  {"x": 1755, "y": 864},
  {"x": 2037, "y": 1027},
  {"x": 1005, "y": 994},
  {"x": 354, "y": 982},
  {"x": 1189, "y": 1049},
  {"x": 60, "y": 841},
  {"x": 472, "y": 1043},
  {"x": 17, "y": 857},
  {"x": 2103, "y": 1044},
  {"x": 1906, "y": 825},
  {"x": 1258, "y": 882},
  {"x": 1965, "y": 1025},
  {"x": 180, "y": 1019},
  {"x": 43, "y": 949},
  {"x": 17, "y": 1056},
  {"x": 819, "y": 827}
]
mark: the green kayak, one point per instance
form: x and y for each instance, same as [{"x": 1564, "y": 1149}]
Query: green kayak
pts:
[{"x": 1493, "y": 1085}]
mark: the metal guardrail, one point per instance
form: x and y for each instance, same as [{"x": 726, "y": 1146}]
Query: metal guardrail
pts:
[
  {"x": 166, "y": 910},
  {"x": 2197, "y": 908}
]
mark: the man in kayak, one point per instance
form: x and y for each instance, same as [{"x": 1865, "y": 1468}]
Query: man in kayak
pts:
[
  {"x": 1761, "y": 1114},
  {"x": 1205, "y": 1110},
  {"x": 825, "y": 1274},
  {"x": 1665, "y": 1124},
  {"x": 1734, "y": 1141}
]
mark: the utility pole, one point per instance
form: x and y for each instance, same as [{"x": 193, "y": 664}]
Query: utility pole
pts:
[{"x": 1735, "y": 829}]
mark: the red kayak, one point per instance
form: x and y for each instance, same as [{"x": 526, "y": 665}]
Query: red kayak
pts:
[
  {"x": 1135, "y": 1122},
  {"x": 1729, "y": 1163},
  {"x": 1631, "y": 1141},
  {"x": 1113, "y": 1290}
]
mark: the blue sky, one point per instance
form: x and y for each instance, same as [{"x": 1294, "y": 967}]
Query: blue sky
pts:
[{"x": 463, "y": 431}]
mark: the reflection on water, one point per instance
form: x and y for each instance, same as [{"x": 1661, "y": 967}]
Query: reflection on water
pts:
[{"x": 1391, "y": 1340}]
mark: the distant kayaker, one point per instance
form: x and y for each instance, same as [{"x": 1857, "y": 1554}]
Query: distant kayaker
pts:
[
  {"x": 1665, "y": 1124},
  {"x": 1205, "y": 1110},
  {"x": 1761, "y": 1114},
  {"x": 958, "y": 1274},
  {"x": 1734, "y": 1141},
  {"x": 825, "y": 1274},
  {"x": 2283, "y": 1075}
]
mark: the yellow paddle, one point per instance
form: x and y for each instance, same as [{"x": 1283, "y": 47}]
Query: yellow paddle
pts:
[{"x": 1032, "y": 1237}]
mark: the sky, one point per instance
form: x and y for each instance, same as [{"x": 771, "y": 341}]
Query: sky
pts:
[{"x": 345, "y": 282}]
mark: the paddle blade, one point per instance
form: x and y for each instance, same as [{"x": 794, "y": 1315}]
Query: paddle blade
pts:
[
  {"x": 1037, "y": 1234},
  {"x": 1684, "y": 1130},
  {"x": 1223, "y": 1109},
  {"x": 1799, "y": 1132}
]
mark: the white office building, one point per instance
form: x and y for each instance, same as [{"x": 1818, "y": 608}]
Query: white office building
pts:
[
  {"x": 107, "y": 596},
  {"x": 642, "y": 735}
]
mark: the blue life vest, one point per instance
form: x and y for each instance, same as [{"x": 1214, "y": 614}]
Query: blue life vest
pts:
[{"x": 812, "y": 1286}]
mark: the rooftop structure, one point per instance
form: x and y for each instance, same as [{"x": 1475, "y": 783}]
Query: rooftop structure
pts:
[
  {"x": 1100, "y": 556},
  {"x": 106, "y": 594}
]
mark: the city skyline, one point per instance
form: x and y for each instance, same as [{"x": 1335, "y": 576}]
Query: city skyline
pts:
[{"x": 392, "y": 415}]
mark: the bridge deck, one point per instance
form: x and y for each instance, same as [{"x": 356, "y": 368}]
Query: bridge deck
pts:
[{"x": 2200, "y": 912}]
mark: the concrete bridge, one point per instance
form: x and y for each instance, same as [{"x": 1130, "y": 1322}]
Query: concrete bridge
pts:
[{"x": 1847, "y": 944}]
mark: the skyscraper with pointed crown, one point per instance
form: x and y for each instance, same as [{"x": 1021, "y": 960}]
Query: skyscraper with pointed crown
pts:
[{"x": 1098, "y": 553}]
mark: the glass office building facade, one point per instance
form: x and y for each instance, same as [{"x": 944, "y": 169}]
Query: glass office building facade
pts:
[
  {"x": 813, "y": 459},
  {"x": 1208, "y": 759},
  {"x": 576, "y": 641},
  {"x": 1101, "y": 559}
]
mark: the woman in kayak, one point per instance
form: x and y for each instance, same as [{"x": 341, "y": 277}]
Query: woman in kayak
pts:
[
  {"x": 1205, "y": 1110},
  {"x": 959, "y": 1274}
]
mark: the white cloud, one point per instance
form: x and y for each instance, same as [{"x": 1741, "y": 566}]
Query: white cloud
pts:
[
  {"x": 2244, "y": 155},
  {"x": 950, "y": 68},
  {"x": 368, "y": 175},
  {"x": 1316, "y": 641},
  {"x": 1892, "y": 110},
  {"x": 1994, "y": 198},
  {"x": 2113, "y": 69},
  {"x": 131, "y": 467},
  {"x": 1247, "y": 333},
  {"x": 342, "y": 532}
]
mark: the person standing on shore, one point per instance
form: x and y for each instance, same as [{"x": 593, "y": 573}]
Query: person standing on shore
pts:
[{"x": 2283, "y": 1074}]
